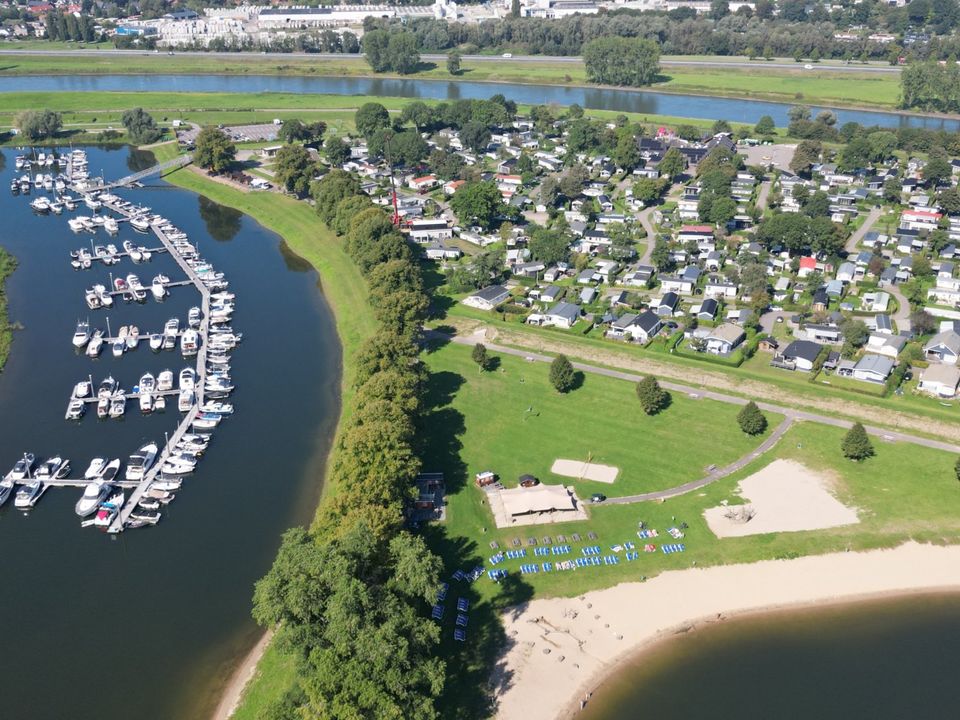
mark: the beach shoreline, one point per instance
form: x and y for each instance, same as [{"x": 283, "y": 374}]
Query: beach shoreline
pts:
[
  {"x": 233, "y": 691},
  {"x": 581, "y": 643}
]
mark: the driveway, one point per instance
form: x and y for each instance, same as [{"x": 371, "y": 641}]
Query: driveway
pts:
[{"x": 854, "y": 240}]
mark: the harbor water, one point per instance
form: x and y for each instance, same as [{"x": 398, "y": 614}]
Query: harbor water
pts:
[
  {"x": 149, "y": 623},
  {"x": 620, "y": 100},
  {"x": 883, "y": 660}
]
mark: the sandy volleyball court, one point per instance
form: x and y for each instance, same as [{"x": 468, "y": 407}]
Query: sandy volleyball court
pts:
[
  {"x": 785, "y": 496},
  {"x": 585, "y": 470},
  {"x": 561, "y": 649}
]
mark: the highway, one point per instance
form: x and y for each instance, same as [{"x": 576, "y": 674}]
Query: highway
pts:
[{"x": 780, "y": 64}]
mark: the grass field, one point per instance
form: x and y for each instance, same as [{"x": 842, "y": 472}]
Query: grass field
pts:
[
  {"x": 7, "y": 265},
  {"x": 772, "y": 81}
]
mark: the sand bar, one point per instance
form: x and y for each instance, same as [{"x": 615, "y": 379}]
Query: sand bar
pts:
[{"x": 596, "y": 630}]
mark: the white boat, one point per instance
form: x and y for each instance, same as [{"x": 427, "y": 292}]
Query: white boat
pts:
[
  {"x": 41, "y": 204},
  {"x": 119, "y": 347},
  {"x": 189, "y": 342},
  {"x": 54, "y": 468},
  {"x": 140, "y": 223},
  {"x": 93, "y": 495},
  {"x": 185, "y": 400},
  {"x": 118, "y": 406},
  {"x": 91, "y": 202},
  {"x": 103, "y": 408},
  {"x": 108, "y": 386},
  {"x": 193, "y": 317},
  {"x": 75, "y": 410},
  {"x": 133, "y": 337},
  {"x": 82, "y": 389},
  {"x": 188, "y": 379},
  {"x": 157, "y": 288},
  {"x": 56, "y": 208},
  {"x": 166, "y": 485},
  {"x": 111, "y": 470},
  {"x": 178, "y": 465},
  {"x": 159, "y": 403},
  {"x": 218, "y": 385},
  {"x": 106, "y": 299},
  {"x": 165, "y": 381},
  {"x": 141, "y": 462},
  {"x": 146, "y": 402},
  {"x": 6, "y": 490},
  {"x": 29, "y": 494},
  {"x": 95, "y": 468},
  {"x": 111, "y": 226},
  {"x": 207, "y": 421},
  {"x": 22, "y": 468},
  {"x": 147, "y": 383},
  {"x": 107, "y": 511},
  {"x": 93, "y": 302},
  {"x": 220, "y": 408},
  {"x": 82, "y": 334},
  {"x": 156, "y": 341}
]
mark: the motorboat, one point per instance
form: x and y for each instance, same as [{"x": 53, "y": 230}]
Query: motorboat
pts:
[
  {"x": 156, "y": 342},
  {"x": 220, "y": 408},
  {"x": 164, "y": 497},
  {"x": 120, "y": 285},
  {"x": 178, "y": 465},
  {"x": 111, "y": 470},
  {"x": 133, "y": 337},
  {"x": 56, "y": 208},
  {"x": 119, "y": 347},
  {"x": 166, "y": 486},
  {"x": 189, "y": 342},
  {"x": 200, "y": 438},
  {"x": 207, "y": 421},
  {"x": 95, "y": 468},
  {"x": 157, "y": 289},
  {"x": 107, "y": 510},
  {"x": 93, "y": 495},
  {"x": 147, "y": 383},
  {"x": 146, "y": 402},
  {"x": 140, "y": 223},
  {"x": 103, "y": 295},
  {"x": 82, "y": 389},
  {"x": 40, "y": 204},
  {"x": 108, "y": 386},
  {"x": 193, "y": 449},
  {"x": 54, "y": 468},
  {"x": 90, "y": 297},
  {"x": 193, "y": 317},
  {"x": 22, "y": 468},
  {"x": 75, "y": 409},
  {"x": 91, "y": 202},
  {"x": 6, "y": 490},
  {"x": 118, "y": 405},
  {"x": 165, "y": 381},
  {"x": 218, "y": 385},
  {"x": 185, "y": 400},
  {"x": 141, "y": 461},
  {"x": 94, "y": 346},
  {"x": 159, "y": 403},
  {"x": 111, "y": 226},
  {"x": 140, "y": 516},
  {"x": 82, "y": 334},
  {"x": 148, "y": 503},
  {"x": 29, "y": 494},
  {"x": 188, "y": 379},
  {"x": 103, "y": 407}
]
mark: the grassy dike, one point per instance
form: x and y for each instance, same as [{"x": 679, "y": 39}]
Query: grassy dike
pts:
[
  {"x": 346, "y": 292},
  {"x": 8, "y": 264}
]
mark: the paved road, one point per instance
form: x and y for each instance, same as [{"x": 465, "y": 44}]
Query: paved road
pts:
[
  {"x": 717, "y": 474},
  {"x": 854, "y": 240},
  {"x": 764, "y": 196},
  {"x": 754, "y": 65},
  {"x": 902, "y": 316},
  {"x": 694, "y": 392}
]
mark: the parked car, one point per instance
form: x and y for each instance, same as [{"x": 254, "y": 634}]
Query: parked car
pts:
[{"x": 597, "y": 498}]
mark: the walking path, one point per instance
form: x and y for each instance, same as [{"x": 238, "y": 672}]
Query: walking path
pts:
[
  {"x": 764, "y": 196},
  {"x": 854, "y": 240},
  {"x": 694, "y": 392}
]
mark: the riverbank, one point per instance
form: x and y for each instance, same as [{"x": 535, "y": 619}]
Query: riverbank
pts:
[
  {"x": 254, "y": 681},
  {"x": 7, "y": 265},
  {"x": 760, "y": 81},
  {"x": 561, "y": 651}
]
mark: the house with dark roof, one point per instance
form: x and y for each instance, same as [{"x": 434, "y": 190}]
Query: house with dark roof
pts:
[
  {"x": 642, "y": 326},
  {"x": 798, "y": 355},
  {"x": 488, "y": 298},
  {"x": 667, "y": 306}
]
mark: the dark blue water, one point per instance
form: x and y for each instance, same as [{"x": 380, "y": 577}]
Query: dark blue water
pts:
[
  {"x": 147, "y": 624},
  {"x": 886, "y": 660},
  {"x": 637, "y": 101}
]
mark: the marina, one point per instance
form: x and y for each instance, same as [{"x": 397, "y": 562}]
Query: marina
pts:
[{"x": 181, "y": 449}]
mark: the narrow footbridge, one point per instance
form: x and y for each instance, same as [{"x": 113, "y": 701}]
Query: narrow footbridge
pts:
[{"x": 177, "y": 162}]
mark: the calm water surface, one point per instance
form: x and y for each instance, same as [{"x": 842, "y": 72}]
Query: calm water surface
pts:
[
  {"x": 886, "y": 660},
  {"x": 692, "y": 106},
  {"x": 147, "y": 624}
]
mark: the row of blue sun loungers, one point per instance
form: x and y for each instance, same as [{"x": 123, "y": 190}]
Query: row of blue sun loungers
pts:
[
  {"x": 591, "y": 550},
  {"x": 555, "y": 550},
  {"x": 644, "y": 534},
  {"x": 667, "y": 549}
]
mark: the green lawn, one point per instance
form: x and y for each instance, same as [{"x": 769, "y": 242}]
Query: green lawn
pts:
[
  {"x": 775, "y": 81},
  {"x": 516, "y": 423},
  {"x": 275, "y": 674},
  {"x": 7, "y": 265}
]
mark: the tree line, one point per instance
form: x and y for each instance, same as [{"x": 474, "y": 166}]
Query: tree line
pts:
[{"x": 348, "y": 596}]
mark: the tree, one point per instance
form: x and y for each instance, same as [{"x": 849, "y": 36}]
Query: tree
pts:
[
  {"x": 648, "y": 190},
  {"x": 328, "y": 192},
  {"x": 371, "y": 117},
  {"x": 661, "y": 257},
  {"x": 294, "y": 169},
  {"x": 39, "y": 124},
  {"x": 626, "y": 154},
  {"x": 562, "y": 375},
  {"x": 402, "y": 53},
  {"x": 765, "y": 126},
  {"x": 475, "y": 136},
  {"x": 652, "y": 397},
  {"x": 856, "y": 445},
  {"x": 337, "y": 151},
  {"x": 956, "y": 469},
  {"x": 806, "y": 154},
  {"x": 453, "y": 63},
  {"x": 141, "y": 127},
  {"x": 751, "y": 420},
  {"x": 854, "y": 332},
  {"x": 293, "y": 131},
  {"x": 214, "y": 150},
  {"x": 722, "y": 211},
  {"x": 549, "y": 246},
  {"x": 406, "y": 148},
  {"x": 631, "y": 62},
  {"x": 479, "y": 356},
  {"x": 922, "y": 322},
  {"x": 720, "y": 126},
  {"x": 949, "y": 201},
  {"x": 673, "y": 164},
  {"x": 892, "y": 190},
  {"x": 478, "y": 202},
  {"x": 375, "y": 47},
  {"x": 937, "y": 169}
]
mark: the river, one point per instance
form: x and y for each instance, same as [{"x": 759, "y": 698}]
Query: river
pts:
[
  {"x": 636, "y": 101},
  {"x": 148, "y": 624},
  {"x": 884, "y": 660}
]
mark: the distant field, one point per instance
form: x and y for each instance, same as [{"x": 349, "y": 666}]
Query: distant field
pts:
[{"x": 774, "y": 80}]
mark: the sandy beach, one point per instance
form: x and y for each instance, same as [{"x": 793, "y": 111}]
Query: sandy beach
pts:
[
  {"x": 561, "y": 649},
  {"x": 230, "y": 699}
]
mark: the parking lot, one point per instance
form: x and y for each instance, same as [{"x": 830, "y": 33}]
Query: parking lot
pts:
[
  {"x": 779, "y": 156},
  {"x": 238, "y": 133}
]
